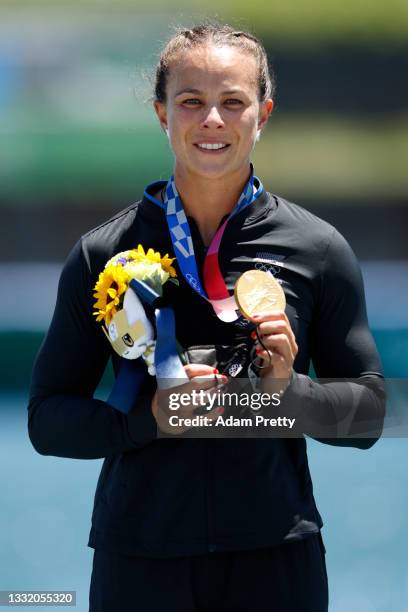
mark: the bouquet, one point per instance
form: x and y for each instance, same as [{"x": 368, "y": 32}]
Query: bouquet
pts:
[{"x": 118, "y": 307}]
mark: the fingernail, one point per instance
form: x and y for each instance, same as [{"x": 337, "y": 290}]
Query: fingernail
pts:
[
  {"x": 258, "y": 349},
  {"x": 253, "y": 335},
  {"x": 215, "y": 371}
]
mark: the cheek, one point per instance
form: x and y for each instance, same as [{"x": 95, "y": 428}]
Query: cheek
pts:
[
  {"x": 180, "y": 119},
  {"x": 248, "y": 121},
  {"x": 248, "y": 128},
  {"x": 180, "y": 126}
]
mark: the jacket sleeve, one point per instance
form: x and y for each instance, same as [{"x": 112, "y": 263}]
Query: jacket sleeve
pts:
[
  {"x": 63, "y": 417},
  {"x": 346, "y": 406}
]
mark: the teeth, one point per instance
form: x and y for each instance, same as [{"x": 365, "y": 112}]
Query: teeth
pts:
[{"x": 212, "y": 145}]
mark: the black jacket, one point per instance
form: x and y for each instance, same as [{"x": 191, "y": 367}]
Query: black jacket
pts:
[{"x": 167, "y": 497}]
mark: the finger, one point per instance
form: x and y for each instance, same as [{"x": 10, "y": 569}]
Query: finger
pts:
[
  {"x": 205, "y": 399},
  {"x": 277, "y": 321},
  {"x": 207, "y": 383},
  {"x": 196, "y": 383},
  {"x": 199, "y": 369},
  {"x": 276, "y": 343},
  {"x": 204, "y": 376},
  {"x": 276, "y": 330},
  {"x": 276, "y": 365},
  {"x": 196, "y": 369},
  {"x": 277, "y": 327},
  {"x": 271, "y": 315},
  {"x": 269, "y": 327},
  {"x": 189, "y": 398}
]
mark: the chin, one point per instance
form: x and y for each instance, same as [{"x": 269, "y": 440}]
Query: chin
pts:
[
  {"x": 211, "y": 170},
  {"x": 211, "y": 173}
]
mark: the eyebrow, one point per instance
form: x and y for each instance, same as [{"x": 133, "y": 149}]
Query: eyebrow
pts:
[{"x": 198, "y": 92}]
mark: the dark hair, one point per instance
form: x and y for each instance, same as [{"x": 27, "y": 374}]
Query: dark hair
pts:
[{"x": 220, "y": 35}]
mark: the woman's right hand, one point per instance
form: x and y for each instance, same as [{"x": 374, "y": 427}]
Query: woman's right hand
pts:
[{"x": 201, "y": 377}]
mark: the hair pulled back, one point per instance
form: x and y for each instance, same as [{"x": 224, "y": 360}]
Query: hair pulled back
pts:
[{"x": 218, "y": 35}]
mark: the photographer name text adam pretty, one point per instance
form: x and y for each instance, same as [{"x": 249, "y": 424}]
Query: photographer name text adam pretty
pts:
[
  {"x": 255, "y": 401},
  {"x": 204, "y": 421}
]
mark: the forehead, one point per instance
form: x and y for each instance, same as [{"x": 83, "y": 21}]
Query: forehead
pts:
[{"x": 223, "y": 68}]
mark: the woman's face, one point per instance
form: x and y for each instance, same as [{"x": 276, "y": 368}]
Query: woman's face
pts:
[{"x": 212, "y": 111}]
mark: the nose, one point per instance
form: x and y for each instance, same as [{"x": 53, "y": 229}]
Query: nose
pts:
[{"x": 212, "y": 118}]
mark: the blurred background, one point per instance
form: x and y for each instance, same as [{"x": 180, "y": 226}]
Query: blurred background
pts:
[{"x": 79, "y": 141}]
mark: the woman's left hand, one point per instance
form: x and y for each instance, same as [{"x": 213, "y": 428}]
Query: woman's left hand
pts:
[{"x": 278, "y": 338}]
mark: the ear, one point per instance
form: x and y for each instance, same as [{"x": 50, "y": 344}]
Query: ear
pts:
[
  {"x": 265, "y": 109},
  {"x": 161, "y": 112}
]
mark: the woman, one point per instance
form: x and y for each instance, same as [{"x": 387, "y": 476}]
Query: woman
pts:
[{"x": 208, "y": 524}]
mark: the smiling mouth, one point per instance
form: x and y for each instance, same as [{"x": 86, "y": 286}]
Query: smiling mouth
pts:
[{"x": 212, "y": 147}]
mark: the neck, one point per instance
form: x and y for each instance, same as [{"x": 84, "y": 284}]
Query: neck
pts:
[{"x": 209, "y": 200}]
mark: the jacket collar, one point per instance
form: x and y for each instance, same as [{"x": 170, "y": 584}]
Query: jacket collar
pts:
[{"x": 154, "y": 209}]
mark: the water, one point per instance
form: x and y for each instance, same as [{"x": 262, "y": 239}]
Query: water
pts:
[
  {"x": 45, "y": 512},
  {"x": 47, "y": 502}
]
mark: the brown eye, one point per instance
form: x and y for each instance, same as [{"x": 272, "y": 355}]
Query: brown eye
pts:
[
  {"x": 233, "y": 102},
  {"x": 192, "y": 101}
]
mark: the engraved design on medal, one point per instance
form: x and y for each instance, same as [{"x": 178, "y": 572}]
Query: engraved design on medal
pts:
[{"x": 257, "y": 291}]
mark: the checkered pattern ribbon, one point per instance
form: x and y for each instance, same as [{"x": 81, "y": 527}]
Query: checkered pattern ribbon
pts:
[{"x": 215, "y": 291}]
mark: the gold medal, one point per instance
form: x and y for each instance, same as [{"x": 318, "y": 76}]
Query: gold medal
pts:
[{"x": 257, "y": 291}]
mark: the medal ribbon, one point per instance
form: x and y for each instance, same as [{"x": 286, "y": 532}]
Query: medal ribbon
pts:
[{"x": 215, "y": 291}]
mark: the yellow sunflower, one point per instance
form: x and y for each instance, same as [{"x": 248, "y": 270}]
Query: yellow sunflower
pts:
[
  {"x": 153, "y": 257},
  {"x": 120, "y": 269},
  {"x": 111, "y": 284}
]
